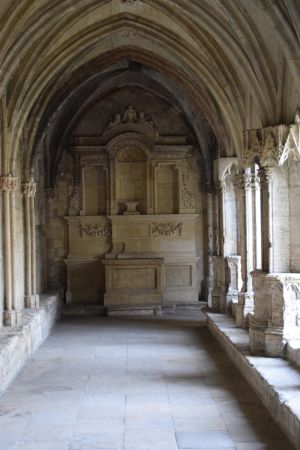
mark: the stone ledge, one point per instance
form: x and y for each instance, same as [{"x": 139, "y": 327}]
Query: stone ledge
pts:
[
  {"x": 275, "y": 381},
  {"x": 19, "y": 342}
]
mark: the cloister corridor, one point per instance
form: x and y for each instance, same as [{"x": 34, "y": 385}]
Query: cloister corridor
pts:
[{"x": 133, "y": 384}]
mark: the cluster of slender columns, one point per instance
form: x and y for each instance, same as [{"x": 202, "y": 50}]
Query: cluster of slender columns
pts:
[
  {"x": 31, "y": 296},
  {"x": 258, "y": 279},
  {"x": 12, "y": 309}
]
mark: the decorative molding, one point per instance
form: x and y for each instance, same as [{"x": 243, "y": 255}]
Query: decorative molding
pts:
[
  {"x": 74, "y": 199},
  {"x": 272, "y": 146},
  {"x": 132, "y": 116},
  {"x": 29, "y": 189},
  {"x": 166, "y": 229},
  {"x": 187, "y": 196},
  {"x": 95, "y": 230},
  {"x": 131, "y": 154},
  {"x": 8, "y": 183}
]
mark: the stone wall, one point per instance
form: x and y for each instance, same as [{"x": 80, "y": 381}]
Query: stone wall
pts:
[{"x": 18, "y": 343}]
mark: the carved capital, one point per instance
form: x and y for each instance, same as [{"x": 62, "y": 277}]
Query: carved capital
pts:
[
  {"x": 29, "y": 189},
  {"x": 265, "y": 175},
  {"x": 243, "y": 181},
  {"x": 8, "y": 184},
  {"x": 272, "y": 146}
]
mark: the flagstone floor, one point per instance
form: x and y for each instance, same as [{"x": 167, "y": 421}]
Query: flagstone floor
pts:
[{"x": 133, "y": 384}]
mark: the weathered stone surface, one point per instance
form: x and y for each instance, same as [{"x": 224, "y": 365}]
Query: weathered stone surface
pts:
[
  {"x": 274, "y": 380},
  {"x": 18, "y": 343}
]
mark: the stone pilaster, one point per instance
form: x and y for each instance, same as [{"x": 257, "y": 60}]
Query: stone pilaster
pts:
[
  {"x": 12, "y": 312},
  {"x": 210, "y": 194},
  {"x": 31, "y": 297}
]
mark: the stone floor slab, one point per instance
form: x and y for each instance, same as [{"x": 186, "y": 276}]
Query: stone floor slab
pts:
[{"x": 133, "y": 384}]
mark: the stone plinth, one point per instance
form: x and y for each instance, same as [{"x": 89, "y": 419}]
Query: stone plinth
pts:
[
  {"x": 219, "y": 288},
  {"x": 258, "y": 323},
  {"x": 132, "y": 284},
  {"x": 276, "y": 312},
  {"x": 172, "y": 237},
  {"x": 284, "y": 313}
]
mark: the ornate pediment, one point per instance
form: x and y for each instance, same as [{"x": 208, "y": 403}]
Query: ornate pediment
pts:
[
  {"x": 272, "y": 146},
  {"x": 131, "y": 120}
]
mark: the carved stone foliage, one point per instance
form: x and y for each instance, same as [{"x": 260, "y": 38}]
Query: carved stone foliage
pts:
[
  {"x": 132, "y": 116},
  {"x": 272, "y": 145},
  {"x": 8, "y": 184},
  {"x": 166, "y": 229},
  {"x": 29, "y": 189},
  {"x": 131, "y": 154},
  {"x": 246, "y": 181},
  {"x": 187, "y": 195},
  {"x": 102, "y": 230},
  {"x": 74, "y": 199}
]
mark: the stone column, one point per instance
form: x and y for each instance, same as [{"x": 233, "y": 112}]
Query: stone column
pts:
[
  {"x": 210, "y": 243},
  {"x": 12, "y": 313},
  {"x": 31, "y": 297},
  {"x": 218, "y": 262},
  {"x": 245, "y": 297}
]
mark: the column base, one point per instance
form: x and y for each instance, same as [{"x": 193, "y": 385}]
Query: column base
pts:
[
  {"x": 244, "y": 307},
  {"x": 231, "y": 302},
  {"x": 218, "y": 301},
  {"x": 32, "y": 301},
  {"x": 12, "y": 318},
  {"x": 257, "y": 335},
  {"x": 275, "y": 342}
]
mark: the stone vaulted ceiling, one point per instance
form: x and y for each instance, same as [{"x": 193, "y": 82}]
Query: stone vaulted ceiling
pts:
[{"x": 230, "y": 65}]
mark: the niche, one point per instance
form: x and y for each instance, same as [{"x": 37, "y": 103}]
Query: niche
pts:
[
  {"x": 95, "y": 191},
  {"x": 131, "y": 179},
  {"x": 167, "y": 197}
]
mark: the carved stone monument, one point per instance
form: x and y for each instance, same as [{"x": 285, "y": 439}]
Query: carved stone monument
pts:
[{"x": 133, "y": 228}]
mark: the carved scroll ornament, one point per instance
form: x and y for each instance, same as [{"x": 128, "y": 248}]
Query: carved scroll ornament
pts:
[
  {"x": 96, "y": 230},
  {"x": 166, "y": 229}
]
